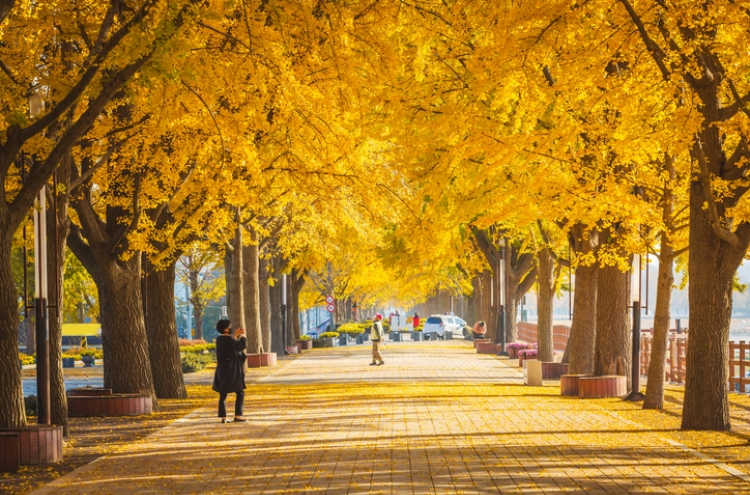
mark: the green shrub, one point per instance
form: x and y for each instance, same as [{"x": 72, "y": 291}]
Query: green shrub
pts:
[
  {"x": 328, "y": 334},
  {"x": 25, "y": 358},
  {"x": 30, "y": 405},
  {"x": 350, "y": 328},
  {"x": 304, "y": 337},
  {"x": 192, "y": 362}
]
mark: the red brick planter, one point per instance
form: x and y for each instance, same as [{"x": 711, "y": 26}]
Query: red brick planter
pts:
[
  {"x": 110, "y": 405},
  {"x": 88, "y": 392},
  {"x": 36, "y": 444},
  {"x": 553, "y": 371},
  {"x": 258, "y": 360},
  {"x": 512, "y": 352},
  {"x": 304, "y": 345},
  {"x": 486, "y": 347},
  {"x": 10, "y": 452},
  {"x": 476, "y": 341},
  {"x": 569, "y": 384},
  {"x": 602, "y": 386}
]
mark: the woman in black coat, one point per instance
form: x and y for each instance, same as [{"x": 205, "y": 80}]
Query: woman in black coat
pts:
[{"x": 230, "y": 372}]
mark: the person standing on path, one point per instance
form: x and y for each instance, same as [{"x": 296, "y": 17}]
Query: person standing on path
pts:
[
  {"x": 415, "y": 321},
  {"x": 230, "y": 373},
  {"x": 376, "y": 336}
]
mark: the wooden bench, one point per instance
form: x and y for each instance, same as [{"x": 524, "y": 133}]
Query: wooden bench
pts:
[
  {"x": 553, "y": 371},
  {"x": 37, "y": 444},
  {"x": 486, "y": 347},
  {"x": 569, "y": 384},
  {"x": 264, "y": 359},
  {"x": 600, "y": 387},
  {"x": 109, "y": 405},
  {"x": 10, "y": 452}
]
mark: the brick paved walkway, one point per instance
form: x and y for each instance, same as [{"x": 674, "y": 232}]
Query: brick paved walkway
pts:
[{"x": 437, "y": 418}]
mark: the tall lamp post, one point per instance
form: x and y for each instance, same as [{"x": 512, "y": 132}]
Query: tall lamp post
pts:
[
  {"x": 44, "y": 416},
  {"x": 635, "y": 394},
  {"x": 283, "y": 311},
  {"x": 501, "y": 299}
]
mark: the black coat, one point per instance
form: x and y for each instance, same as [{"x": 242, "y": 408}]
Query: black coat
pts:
[{"x": 230, "y": 374}]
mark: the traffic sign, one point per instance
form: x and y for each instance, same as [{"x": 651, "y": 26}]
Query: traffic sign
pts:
[
  {"x": 329, "y": 299},
  {"x": 331, "y": 308}
]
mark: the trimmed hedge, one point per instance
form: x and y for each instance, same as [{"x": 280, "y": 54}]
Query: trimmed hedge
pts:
[
  {"x": 328, "y": 334},
  {"x": 350, "y": 328},
  {"x": 192, "y": 362}
]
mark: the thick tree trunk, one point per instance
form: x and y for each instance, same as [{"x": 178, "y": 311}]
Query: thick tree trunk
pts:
[
  {"x": 12, "y": 410},
  {"x": 489, "y": 304},
  {"x": 127, "y": 368},
  {"x": 161, "y": 331},
  {"x": 297, "y": 283},
  {"x": 265, "y": 304},
  {"x": 546, "y": 295},
  {"x": 277, "y": 337},
  {"x": 233, "y": 269},
  {"x": 612, "y": 353},
  {"x": 660, "y": 342},
  {"x": 56, "y": 271},
  {"x": 581, "y": 344},
  {"x": 251, "y": 292},
  {"x": 579, "y": 353},
  {"x": 712, "y": 264}
]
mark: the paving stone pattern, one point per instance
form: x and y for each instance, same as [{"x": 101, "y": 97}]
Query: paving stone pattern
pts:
[{"x": 437, "y": 418}]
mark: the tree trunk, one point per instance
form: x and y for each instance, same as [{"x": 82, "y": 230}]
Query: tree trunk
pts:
[
  {"x": 660, "y": 342},
  {"x": 489, "y": 304},
  {"x": 612, "y": 352},
  {"x": 277, "y": 337},
  {"x": 127, "y": 368},
  {"x": 581, "y": 344},
  {"x": 712, "y": 265},
  {"x": 546, "y": 279},
  {"x": 233, "y": 269},
  {"x": 57, "y": 219},
  {"x": 251, "y": 292},
  {"x": 297, "y": 283},
  {"x": 12, "y": 410},
  {"x": 264, "y": 295},
  {"x": 198, "y": 318},
  {"x": 161, "y": 331}
]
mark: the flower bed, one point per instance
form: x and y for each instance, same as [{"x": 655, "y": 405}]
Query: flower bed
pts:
[{"x": 526, "y": 354}]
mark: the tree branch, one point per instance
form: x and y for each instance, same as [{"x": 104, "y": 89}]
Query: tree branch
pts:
[{"x": 713, "y": 214}]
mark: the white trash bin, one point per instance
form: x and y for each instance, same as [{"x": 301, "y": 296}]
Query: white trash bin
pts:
[{"x": 532, "y": 373}]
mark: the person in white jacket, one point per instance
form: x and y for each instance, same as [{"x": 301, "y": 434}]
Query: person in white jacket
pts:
[{"x": 376, "y": 336}]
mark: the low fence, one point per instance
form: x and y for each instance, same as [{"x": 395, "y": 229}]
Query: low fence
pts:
[
  {"x": 676, "y": 359},
  {"x": 527, "y": 332}
]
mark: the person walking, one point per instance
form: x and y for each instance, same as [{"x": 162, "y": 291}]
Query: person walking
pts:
[
  {"x": 415, "y": 321},
  {"x": 230, "y": 372},
  {"x": 376, "y": 336}
]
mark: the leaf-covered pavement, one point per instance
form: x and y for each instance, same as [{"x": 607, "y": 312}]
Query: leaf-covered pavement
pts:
[{"x": 436, "y": 419}]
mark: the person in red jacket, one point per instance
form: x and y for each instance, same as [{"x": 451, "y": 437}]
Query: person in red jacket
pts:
[{"x": 415, "y": 320}]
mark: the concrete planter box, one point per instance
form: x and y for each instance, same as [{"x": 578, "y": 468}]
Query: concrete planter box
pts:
[
  {"x": 68, "y": 362},
  {"x": 395, "y": 337},
  {"x": 360, "y": 339},
  {"x": 343, "y": 339},
  {"x": 304, "y": 345},
  {"x": 448, "y": 336},
  {"x": 366, "y": 337},
  {"x": 416, "y": 336},
  {"x": 322, "y": 343}
]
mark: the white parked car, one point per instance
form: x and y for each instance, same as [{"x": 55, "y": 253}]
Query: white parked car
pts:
[{"x": 438, "y": 324}]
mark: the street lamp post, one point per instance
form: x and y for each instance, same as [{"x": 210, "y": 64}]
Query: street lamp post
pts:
[
  {"x": 635, "y": 394},
  {"x": 44, "y": 415},
  {"x": 283, "y": 311},
  {"x": 501, "y": 299}
]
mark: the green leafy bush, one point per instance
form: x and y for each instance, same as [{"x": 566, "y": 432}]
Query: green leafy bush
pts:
[
  {"x": 30, "y": 405},
  {"x": 350, "y": 328},
  {"x": 192, "y": 362},
  {"x": 328, "y": 334}
]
